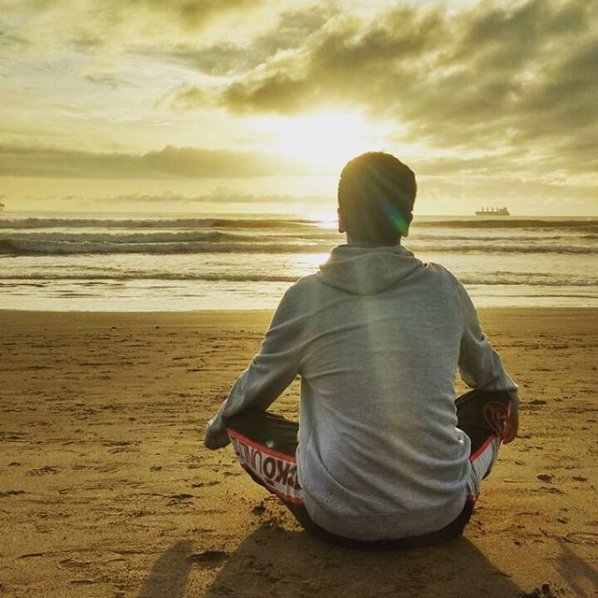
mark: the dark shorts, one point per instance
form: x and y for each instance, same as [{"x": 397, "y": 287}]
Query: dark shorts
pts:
[{"x": 265, "y": 445}]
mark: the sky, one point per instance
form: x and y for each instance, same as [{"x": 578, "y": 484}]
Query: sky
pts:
[{"x": 234, "y": 106}]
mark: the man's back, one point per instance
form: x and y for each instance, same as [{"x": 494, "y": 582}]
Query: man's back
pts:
[{"x": 379, "y": 350}]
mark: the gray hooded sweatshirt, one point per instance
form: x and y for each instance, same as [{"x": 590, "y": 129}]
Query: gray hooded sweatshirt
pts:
[{"x": 377, "y": 337}]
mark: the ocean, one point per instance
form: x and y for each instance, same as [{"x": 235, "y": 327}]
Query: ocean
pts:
[{"x": 101, "y": 263}]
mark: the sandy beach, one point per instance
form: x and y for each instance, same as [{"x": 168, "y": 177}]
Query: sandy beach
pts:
[{"x": 106, "y": 489}]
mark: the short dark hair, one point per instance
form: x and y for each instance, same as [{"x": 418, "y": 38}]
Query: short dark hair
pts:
[{"x": 376, "y": 192}]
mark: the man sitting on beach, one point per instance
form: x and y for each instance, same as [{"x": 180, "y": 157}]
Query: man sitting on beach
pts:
[{"x": 385, "y": 454}]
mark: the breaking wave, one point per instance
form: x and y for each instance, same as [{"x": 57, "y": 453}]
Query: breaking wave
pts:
[
  {"x": 148, "y": 223},
  {"x": 589, "y": 225},
  {"x": 582, "y": 224},
  {"x": 199, "y": 243},
  {"x": 166, "y": 276},
  {"x": 29, "y": 247},
  {"x": 500, "y": 278}
]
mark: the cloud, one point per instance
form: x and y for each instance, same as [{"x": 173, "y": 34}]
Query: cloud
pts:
[
  {"x": 216, "y": 197},
  {"x": 189, "y": 14},
  {"x": 106, "y": 80},
  {"x": 198, "y": 163},
  {"x": 10, "y": 40},
  {"x": 292, "y": 29},
  {"x": 487, "y": 78},
  {"x": 195, "y": 13},
  {"x": 170, "y": 162},
  {"x": 185, "y": 98},
  {"x": 228, "y": 59},
  {"x": 112, "y": 26},
  {"x": 344, "y": 61}
]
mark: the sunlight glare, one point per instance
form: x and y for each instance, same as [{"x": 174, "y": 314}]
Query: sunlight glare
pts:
[
  {"x": 311, "y": 261},
  {"x": 326, "y": 139}
]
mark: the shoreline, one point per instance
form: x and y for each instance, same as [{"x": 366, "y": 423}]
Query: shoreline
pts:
[
  {"x": 105, "y": 484},
  {"x": 183, "y": 313},
  {"x": 492, "y": 319}
]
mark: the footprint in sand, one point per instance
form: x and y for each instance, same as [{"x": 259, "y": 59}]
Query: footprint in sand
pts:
[
  {"x": 544, "y": 477},
  {"x": 259, "y": 510},
  {"x": 11, "y": 493},
  {"x": 179, "y": 499},
  {"x": 46, "y": 469},
  {"x": 73, "y": 564},
  {"x": 590, "y": 538},
  {"x": 208, "y": 557},
  {"x": 82, "y": 582}
]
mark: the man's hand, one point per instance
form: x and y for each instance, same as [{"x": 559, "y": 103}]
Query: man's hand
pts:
[
  {"x": 215, "y": 439},
  {"x": 512, "y": 425}
]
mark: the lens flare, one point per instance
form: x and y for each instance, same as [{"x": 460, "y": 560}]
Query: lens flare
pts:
[{"x": 397, "y": 219}]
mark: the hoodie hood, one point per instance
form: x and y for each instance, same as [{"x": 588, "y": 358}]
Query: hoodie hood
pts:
[{"x": 367, "y": 270}]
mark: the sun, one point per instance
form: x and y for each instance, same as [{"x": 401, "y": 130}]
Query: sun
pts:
[{"x": 326, "y": 139}]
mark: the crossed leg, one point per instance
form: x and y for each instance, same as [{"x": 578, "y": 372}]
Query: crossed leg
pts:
[{"x": 265, "y": 445}]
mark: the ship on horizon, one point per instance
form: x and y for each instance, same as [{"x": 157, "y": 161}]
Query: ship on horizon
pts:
[{"x": 493, "y": 212}]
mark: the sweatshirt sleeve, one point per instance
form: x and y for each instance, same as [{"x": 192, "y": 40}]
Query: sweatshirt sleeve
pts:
[
  {"x": 480, "y": 366},
  {"x": 270, "y": 371}
]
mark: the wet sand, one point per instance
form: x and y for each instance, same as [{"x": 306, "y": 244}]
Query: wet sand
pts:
[{"x": 106, "y": 490}]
